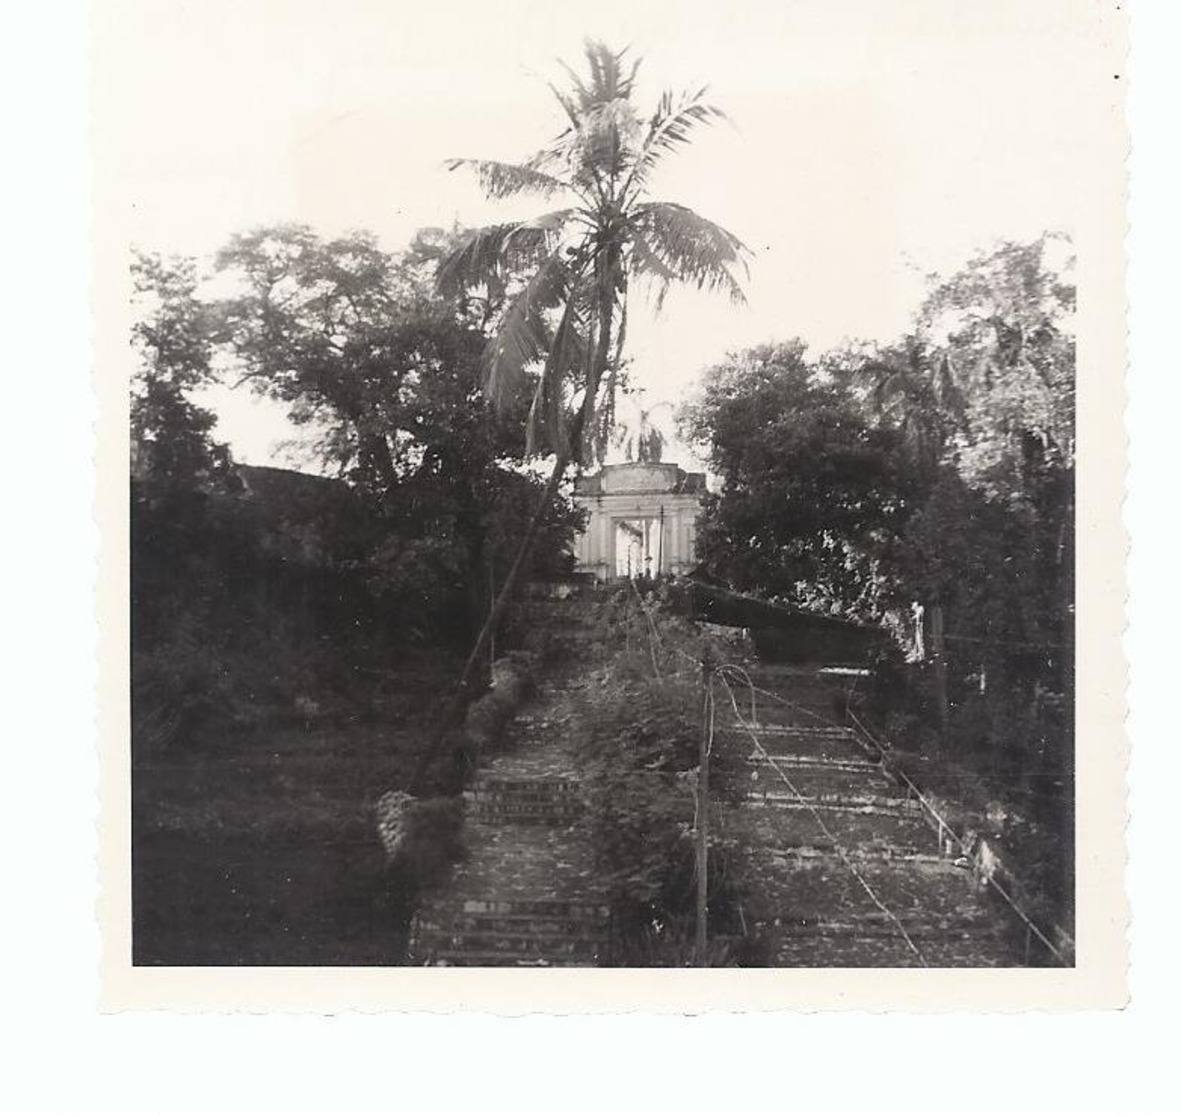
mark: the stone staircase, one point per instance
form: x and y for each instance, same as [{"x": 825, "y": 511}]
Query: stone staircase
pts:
[
  {"x": 525, "y": 895},
  {"x": 837, "y": 864},
  {"x": 823, "y": 826}
]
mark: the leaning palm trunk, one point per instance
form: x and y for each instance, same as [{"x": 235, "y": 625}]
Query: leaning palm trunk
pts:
[
  {"x": 579, "y": 259},
  {"x": 508, "y": 587},
  {"x": 567, "y": 449}
]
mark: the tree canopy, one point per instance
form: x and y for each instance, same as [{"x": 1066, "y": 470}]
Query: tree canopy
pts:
[{"x": 812, "y": 493}]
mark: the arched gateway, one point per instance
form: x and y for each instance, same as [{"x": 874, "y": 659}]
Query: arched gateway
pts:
[{"x": 642, "y": 520}]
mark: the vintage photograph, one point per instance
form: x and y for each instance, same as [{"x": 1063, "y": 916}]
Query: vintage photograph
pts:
[{"x": 604, "y": 485}]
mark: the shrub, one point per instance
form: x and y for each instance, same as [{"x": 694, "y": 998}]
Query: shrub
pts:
[
  {"x": 641, "y": 733},
  {"x": 422, "y": 837}
]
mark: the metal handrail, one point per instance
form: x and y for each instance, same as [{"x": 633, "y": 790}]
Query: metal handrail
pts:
[{"x": 944, "y": 826}]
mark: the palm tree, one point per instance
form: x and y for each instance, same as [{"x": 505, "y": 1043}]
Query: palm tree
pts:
[
  {"x": 566, "y": 323},
  {"x": 915, "y": 391}
]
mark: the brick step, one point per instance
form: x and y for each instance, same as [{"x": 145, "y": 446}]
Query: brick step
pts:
[
  {"x": 498, "y": 959},
  {"x": 509, "y": 932},
  {"x": 533, "y": 790},
  {"x": 510, "y": 924},
  {"x": 533, "y": 820},
  {"x": 592, "y": 941},
  {"x": 509, "y": 814},
  {"x": 576, "y": 907},
  {"x": 524, "y": 801}
]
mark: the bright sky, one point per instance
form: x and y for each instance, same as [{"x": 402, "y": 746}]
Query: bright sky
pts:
[{"x": 872, "y": 142}]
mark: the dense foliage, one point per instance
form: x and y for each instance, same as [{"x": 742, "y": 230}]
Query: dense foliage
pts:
[
  {"x": 813, "y": 493},
  {"x": 932, "y": 476},
  {"x": 253, "y": 588},
  {"x": 640, "y": 728}
]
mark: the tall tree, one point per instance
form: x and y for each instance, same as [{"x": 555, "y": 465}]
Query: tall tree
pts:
[
  {"x": 568, "y": 320},
  {"x": 361, "y": 348},
  {"x": 813, "y": 496},
  {"x": 172, "y": 447}
]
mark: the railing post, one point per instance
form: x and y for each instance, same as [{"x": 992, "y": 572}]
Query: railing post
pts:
[
  {"x": 701, "y": 936},
  {"x": 939, "y": 655}
]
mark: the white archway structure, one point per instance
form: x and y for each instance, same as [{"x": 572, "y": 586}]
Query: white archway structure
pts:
[{"x": 642, "y": 520}]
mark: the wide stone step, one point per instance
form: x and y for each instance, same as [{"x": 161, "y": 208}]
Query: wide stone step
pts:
[
  {"x": 875, "y": 924},
  {"x": 810, "y": 850},
  {"x": 586, "y": 907},
  {"x": 510, "y": 924},
  {"x": 789, "y": 826},
  {"x": 805, "y": 762},
  {"x": 893, "y": 952},
  {"x": 868, "y": 804},
  {"x": 802, "y": 745},
  {"x": 497, "y": 958},
  {"x": 785, "y": 729},
  {"x": 542, "y": 945}
]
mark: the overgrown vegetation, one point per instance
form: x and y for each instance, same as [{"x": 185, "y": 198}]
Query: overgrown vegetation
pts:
[
  {"x": 928, "y": 486},
  {"x": 640, "y": 727}
]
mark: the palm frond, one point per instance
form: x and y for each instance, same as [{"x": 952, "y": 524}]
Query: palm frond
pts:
[
  {"x": 546, "y": 424},
  {"x": 610, "y": 75},
  {"x": 477, "y": 260},
  {"x": 670, "y": 127},
  {"x": 485, "y": 256},
  {"x": 524, "y": 334},
  {"x": 693, "y": 249},
  {"x": 646, "y": 263},
  {"x": 506, "y": 180}
]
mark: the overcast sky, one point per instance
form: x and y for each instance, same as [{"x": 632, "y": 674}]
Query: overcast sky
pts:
[{"x": 871, "y": 142}]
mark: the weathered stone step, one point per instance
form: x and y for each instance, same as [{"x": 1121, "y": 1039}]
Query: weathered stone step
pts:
[
  {"x": 874, "y": 924},
  {"x": 539, "y": 944},
  {"x": 499, "y": 959},
  {"x": 516, "y": 931},
  {"x": 883, "y": 951},
  {"x": 548, "y": 785},
  {"x": 584, "y": 907},
  {"x": 802, "y": 761},
  {"x": 511, "y": 924},
  {"x": 892, "y": 806},
  {"x": 524, "y": 801},
  {"x": 786, "y": 729},
  {"x": 821, "y": 781},
  {"x": 812, "y": 850}
]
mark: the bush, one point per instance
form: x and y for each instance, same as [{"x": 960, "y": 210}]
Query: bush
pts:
[
  {"x": 429, "y": 839},
  {"x": 642, "y": 736}
]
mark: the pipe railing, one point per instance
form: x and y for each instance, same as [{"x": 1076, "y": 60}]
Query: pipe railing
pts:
[{"x": 944, "y": 827}]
